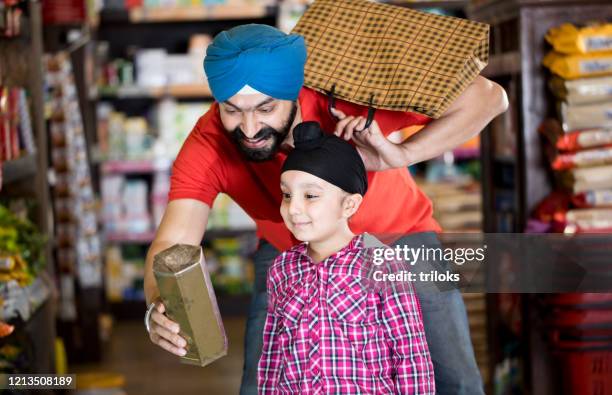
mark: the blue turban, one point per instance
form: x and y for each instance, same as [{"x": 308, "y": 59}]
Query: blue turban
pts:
[{"x": 260, "y": 56}]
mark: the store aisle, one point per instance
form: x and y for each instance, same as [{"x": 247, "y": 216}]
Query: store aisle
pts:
[{"x": 150, "y": 370}]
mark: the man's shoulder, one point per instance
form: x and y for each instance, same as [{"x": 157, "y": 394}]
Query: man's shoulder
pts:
[{"x": 210, "y": 121}]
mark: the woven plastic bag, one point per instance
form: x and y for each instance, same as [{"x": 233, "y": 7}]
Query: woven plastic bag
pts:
[{"x": 391, "y": 57}]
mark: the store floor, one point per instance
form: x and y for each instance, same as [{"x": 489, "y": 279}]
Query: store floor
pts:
[{"x": 150, "y": 370}]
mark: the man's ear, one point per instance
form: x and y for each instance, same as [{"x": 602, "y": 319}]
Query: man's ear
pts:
[{"x": 351, "y": 204}]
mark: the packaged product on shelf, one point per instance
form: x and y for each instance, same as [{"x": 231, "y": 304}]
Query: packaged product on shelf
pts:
[
  {"x": 583, "y": 90},
  {"x": 588, "y": 178},
  {"x": 174, "y": 122},
  {"x": 590, "y": 219},
  {"x": 586, "y": 158},
  {"x": 183, "y": 72},
  {"x": 465, "y": 220},
  {"x": 187, "y": 293},
  {"x": 137, "y": 141},
  {"x": 26, "y": 134},
  {"x": 198, "y": 43},
  {"x": 150, "y": 67},
  {"x": 136, "y": 216},
  {"x": 112, "y": 190},
  {"x": 103, "y": 111},
  {"x": 67, "y": 305},
  {"x": 571, "y": 39},
  {"x": 574, "y": 140},
  {"x": 592, "y": 199},
  {"x": 9, "y": 123},
  {"x": 579, "y": 66},
  {"x": 73, "y": 193},
  {"x": 66, "y": 260},
  {"x": 159, "y": 197},
  {"x": 116, "y": 136},
  {"x": 586, "y": 116},
  {"x": 458, "y": 202},
  {"x": 115, "y": 280}
]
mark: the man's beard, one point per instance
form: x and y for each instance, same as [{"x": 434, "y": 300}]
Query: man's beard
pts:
[{"x": 277, "y": 136}]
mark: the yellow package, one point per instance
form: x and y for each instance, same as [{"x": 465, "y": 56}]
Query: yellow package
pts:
[
  {"x": 569, "y": 39},
  {"x": 579, "y": 66}
]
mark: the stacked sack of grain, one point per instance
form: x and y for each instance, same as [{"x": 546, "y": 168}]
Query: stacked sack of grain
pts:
[{"x": 580, "y": 146}]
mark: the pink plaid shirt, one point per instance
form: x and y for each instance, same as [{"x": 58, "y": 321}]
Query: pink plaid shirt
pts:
[{"x": 327, "y": 333}]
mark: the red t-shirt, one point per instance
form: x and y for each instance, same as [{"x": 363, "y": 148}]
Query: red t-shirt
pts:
[{"x": 209, "y": 163}]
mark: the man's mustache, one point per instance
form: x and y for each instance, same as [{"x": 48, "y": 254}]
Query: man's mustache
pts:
[{"x": 262, "y": 134}]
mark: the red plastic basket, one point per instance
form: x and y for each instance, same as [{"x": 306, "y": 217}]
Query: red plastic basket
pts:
[
  {"x": 581, "y": 300},
  {"x": 586, "y": 371},
  {"x": 581, "y": 318}
]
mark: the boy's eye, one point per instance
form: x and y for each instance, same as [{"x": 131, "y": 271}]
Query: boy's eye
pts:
[
  {"x": 229, "y": 111},
  {"x": 310, "y": 196},
  {"x": 286, "y": 195},
  {"x": 265, "y": 110}
]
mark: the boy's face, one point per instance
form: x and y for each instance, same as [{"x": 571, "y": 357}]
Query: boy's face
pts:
[{"x": 312, "y": 208}]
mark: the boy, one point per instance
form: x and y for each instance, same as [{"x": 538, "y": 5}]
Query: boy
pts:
[{"x": 326, "y": 332}]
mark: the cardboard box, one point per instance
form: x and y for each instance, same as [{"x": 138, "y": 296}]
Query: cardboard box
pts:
[{"x": 189, "y": 298}]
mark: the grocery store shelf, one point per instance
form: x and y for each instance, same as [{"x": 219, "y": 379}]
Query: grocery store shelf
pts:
[
  {"x": 134, "y": 166},
  {"x": 188, "y": 91},
  {"x": 466, "y": 153},
  {"x": 503, "y": 64},
  {"x": 18, "y": 169},
  {"x": 189, "y": 13},
  {"x": 447, "y": 4},
  {"x": 147, "y": 237},
  {"x": 214, "y": 12},
  {"x": 214, "y": 233},
  {"x": 507, "y": 160},
  {"x": 122, "y": 237}
]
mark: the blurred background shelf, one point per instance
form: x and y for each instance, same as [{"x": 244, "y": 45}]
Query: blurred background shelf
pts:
[
  {"x": 188, "y": 13},
  {"x": 451, "y": 5},
  {"x": 187, "y": 91},
  {"x": 130, "y": 237},
  {"x": 215, "y": 12},
  {"x": 134, "y": 166},
  {"x": 19, "y": 169}
]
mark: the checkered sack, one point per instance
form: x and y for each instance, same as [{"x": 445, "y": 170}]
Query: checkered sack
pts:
[{"x": 391, "y": 57}]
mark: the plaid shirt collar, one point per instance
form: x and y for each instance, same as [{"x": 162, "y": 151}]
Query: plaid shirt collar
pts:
[{"x": 355, "y": 243}]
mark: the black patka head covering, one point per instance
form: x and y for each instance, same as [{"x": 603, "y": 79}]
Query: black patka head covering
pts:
[{"x": 328, "y": 157}]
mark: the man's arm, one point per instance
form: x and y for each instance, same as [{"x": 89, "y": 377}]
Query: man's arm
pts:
[
  {"x": 477, "y": 105},
  {"x": 184, "y": 222},
  {"x": 467, "y": 116}
]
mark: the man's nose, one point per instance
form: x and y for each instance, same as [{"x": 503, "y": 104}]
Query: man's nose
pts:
[{"x": 249, "y": 125}]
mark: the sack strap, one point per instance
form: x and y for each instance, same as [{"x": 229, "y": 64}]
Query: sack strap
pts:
[{"x": 331, "y": 103}]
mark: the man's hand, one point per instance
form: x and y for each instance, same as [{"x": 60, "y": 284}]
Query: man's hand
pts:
[
  {"x": 164, "y": 332},
  {"x": 376, "y": 151}
]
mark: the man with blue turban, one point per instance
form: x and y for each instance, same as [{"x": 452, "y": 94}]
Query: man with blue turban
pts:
[{"x": 256, "y": 74}]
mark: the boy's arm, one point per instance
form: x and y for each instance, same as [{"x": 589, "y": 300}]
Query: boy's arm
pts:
[
  {"x": 414, "y": 372},
  {"x": 269, "y": 363}
]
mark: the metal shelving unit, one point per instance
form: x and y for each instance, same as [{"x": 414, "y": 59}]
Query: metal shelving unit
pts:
[{"x": 27, "y": 177}]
